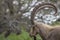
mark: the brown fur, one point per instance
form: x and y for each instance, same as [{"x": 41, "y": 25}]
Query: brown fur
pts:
[{"x": 46, "y": 32}]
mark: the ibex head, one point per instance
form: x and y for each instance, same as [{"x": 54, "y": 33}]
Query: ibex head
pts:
[{"x": 34, "y": 31}]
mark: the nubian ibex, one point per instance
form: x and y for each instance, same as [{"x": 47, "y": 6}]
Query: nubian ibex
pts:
[{"x": 46, "y": 32}]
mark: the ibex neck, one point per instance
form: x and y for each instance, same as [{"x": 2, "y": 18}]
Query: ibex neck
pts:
[{"x": 44, "y": 29}]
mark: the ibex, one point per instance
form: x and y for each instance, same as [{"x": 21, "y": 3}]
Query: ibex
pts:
[{"x": 46, "y": 32}]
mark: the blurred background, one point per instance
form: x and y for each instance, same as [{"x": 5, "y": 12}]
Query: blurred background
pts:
[{"x": 15, "y": 17}]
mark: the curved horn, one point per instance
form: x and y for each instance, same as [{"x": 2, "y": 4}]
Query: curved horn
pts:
[{"x": 41, "y": 6}]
